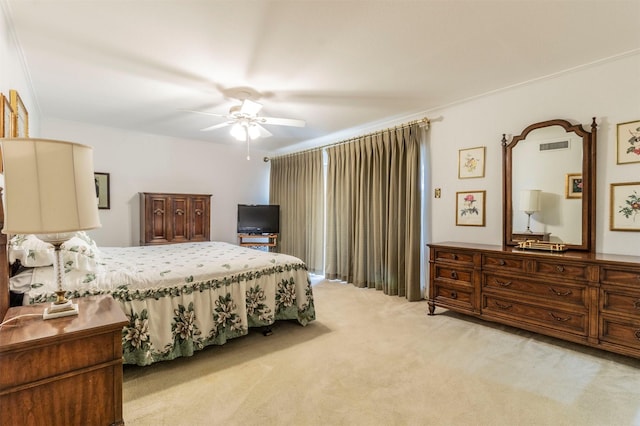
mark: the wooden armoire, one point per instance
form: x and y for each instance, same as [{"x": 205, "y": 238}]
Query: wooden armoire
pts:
[{"x": 174, "y": 218}]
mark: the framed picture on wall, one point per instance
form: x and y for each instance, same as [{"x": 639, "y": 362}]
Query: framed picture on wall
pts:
[
  {"x": 20, "y": 116},
  {"x": 102, "y": 190},
  {"x": 6, "y": 113},
  {"x": 573, "y": 185},
  {"x": 470, "y": 208},
  {"x": 628, "y": 144},
  {"x": 624, "y": 214},
  {"x": 471, "y": 162}
]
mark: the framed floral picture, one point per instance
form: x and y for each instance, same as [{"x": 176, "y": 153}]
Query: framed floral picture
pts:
[
  {"x": 625, "y": 206},
  {"x": 470, "y": 207},
  {"x": 103, "y": 190},
  {"x": 20, "y": 116},
  {"x": 471, "y": 162},
  {"x": 573, "y": 185},
  {"x": 628, "y": 142}
]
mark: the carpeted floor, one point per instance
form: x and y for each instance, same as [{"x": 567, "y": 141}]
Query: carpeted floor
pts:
[{"x": 371, "y": 359}]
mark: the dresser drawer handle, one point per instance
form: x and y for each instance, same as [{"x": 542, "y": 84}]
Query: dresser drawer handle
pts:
[
  {"x": 454, "y": 275},
  {"x": 501, "y": 262},
  {"x": 504, "y": 283},
  {"x": 453, "y": 294},
  {"x": 637, "y": 334},
  {"x": 557, "y": 318},
  {"x": 501, "y": 306},
  {"x": 559, "y": 293},
  {"x": 636, "y": 304},
  {"x": 560, "y": 268}
]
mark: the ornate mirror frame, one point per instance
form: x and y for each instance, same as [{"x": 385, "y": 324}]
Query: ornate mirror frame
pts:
[{"x": 588, "y": 242}]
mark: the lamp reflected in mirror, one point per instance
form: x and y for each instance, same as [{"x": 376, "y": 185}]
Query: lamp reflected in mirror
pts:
[{"x": 530, "y": 203}]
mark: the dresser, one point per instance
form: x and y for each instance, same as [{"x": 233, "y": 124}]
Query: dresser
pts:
[
  {"x": 174, "y": 218},
  {"x": 63, "y": 371},
  {"x": 588, "y": 298}
]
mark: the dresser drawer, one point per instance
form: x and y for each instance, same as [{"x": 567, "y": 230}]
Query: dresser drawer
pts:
[
  {"x": 446, "y": 272},
  {"x": 555, "y": 292},
  {"x": 502, "y": 263},
  {"x": 564, "y": 319},
  {"x": 461, "y": 257},
  {"x": 562, "y": 270},
  {"x": 620, "y": 301},
  {"x": 620, "y": 276},
  {"x": 620, "y": 332},
  {"x": 448, "y": 295}
]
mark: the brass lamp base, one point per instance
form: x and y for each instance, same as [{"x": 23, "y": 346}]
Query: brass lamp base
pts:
[{"x": 62, "y": 307}]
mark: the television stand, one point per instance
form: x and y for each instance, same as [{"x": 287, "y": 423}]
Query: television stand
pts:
[{"x": 258, "y": 240}]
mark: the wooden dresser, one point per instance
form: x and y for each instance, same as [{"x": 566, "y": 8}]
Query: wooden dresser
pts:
[
  {"x": 63, "y": 371},
  {"x": 588, "y": 298},
  {"x": 174, "y": 218}
]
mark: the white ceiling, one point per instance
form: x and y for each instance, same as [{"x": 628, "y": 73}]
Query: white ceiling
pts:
[{"x": 339, "y": 65}]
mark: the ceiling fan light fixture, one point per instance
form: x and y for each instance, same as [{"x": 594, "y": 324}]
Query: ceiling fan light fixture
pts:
[
  {"x": 254, "y": 132},
  {"x": 238, "y": 132}
]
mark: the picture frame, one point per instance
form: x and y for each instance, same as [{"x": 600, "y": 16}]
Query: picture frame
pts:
[
  {"x": 624, "y": 214},
  {"x": 471, "y": 162},
  {"x": 628, "y": 142},
  {"x": 103, "y": 190},
  {"x": 6, "y": 114},
  {"x": 573, "y": 185},
  {"x": 20, "y": 116},
  {"x": 470, "y": 208}
]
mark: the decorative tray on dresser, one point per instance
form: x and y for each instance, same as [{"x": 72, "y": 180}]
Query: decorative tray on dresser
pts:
[{"x": 588, "y": 298}]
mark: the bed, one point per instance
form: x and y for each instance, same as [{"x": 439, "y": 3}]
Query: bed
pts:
[{"x": 179, "y": 298}]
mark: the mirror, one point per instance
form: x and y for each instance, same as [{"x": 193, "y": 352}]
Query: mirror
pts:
[{"x": 549, "y": 185}]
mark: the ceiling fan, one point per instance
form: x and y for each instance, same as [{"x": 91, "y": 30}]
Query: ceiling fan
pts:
[{"x": 246, "y": 123}]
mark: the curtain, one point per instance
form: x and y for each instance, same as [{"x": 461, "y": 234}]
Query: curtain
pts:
[
  {"x": 373, "y": 212},
  {"x": 297, "y": 185}
]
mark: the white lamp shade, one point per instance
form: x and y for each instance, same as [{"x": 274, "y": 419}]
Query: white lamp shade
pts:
[
  {"x": 530, "y": 200},
  {"x": 238, "y": 132},
  {"x": 49, "y": 187}
]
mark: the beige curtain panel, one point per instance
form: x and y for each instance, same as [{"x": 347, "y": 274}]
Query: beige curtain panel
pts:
[
  {"x": 373, "y": 212},
  {"x": 297, "y": 185}
]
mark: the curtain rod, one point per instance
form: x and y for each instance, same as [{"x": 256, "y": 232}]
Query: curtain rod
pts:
[{"x": 422, "y": 122}]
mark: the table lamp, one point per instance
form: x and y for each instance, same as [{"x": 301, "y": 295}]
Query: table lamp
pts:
[
  {"x": 530, "y": 203},
  {"x": 49, "y": 191}
]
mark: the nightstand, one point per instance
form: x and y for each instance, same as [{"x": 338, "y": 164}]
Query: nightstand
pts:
[{"x": 63, "y": 371}]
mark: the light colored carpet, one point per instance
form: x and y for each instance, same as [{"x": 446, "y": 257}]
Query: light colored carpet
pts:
[{"x": 371, "y": 359}]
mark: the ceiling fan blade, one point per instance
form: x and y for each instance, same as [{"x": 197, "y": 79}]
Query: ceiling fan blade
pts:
[
  {"x": 250, "y": 108},
  {"x": 281, "y": 121},
  {"x": 204, "y": 113},
  {"x": 217, "y": 126},
  {"x": 264, "y": 133}
]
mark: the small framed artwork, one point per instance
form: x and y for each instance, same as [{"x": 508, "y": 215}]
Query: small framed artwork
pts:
[
  {"x": 102, "y": 190},
  {"x": 470, "y": 208},
  {"x": 625, "y": 206},
  {"x": 6, "y": 113},
  {"x": 471, "y": 162},
  {"x": 20, "y": 116},
  {"x": 628, "y": 142},
  {"x": 573, "y": 185}
]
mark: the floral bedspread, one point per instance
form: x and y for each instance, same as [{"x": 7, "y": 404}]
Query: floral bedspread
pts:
[{"x": 180, "y": 298}]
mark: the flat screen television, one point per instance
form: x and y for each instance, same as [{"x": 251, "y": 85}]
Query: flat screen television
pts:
[{"x": 258, "y": 219}]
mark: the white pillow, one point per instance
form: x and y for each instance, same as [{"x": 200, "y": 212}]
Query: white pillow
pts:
[{"x": 79, "y": 252}]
